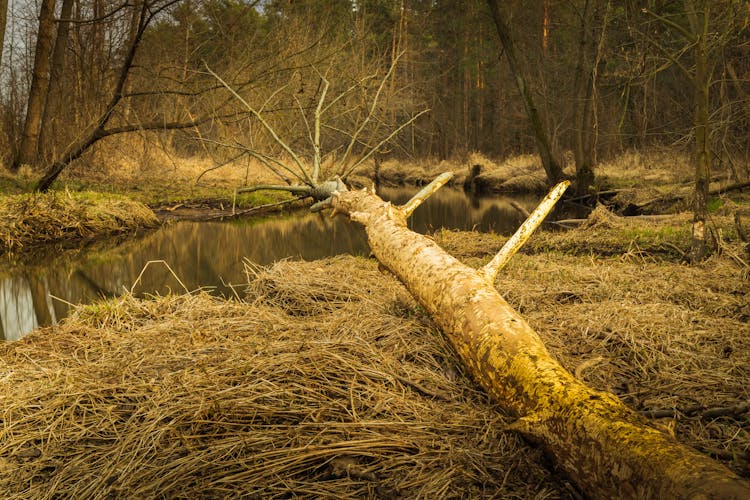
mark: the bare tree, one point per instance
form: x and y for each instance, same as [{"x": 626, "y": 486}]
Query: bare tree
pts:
[
  {"x": 592, "y": 18},
  {"x": 105, "y": 124},
  {"x": 147, "y": 13},
  {"x": 551, "y": 165},
  {"x": 308, "y": 174},
  {"x": 3, "y": 21},
  {"x": 57, "y": 66}
]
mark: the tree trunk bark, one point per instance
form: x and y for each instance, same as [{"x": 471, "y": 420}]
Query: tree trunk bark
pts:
[
  {"x": 551, "y": 165},
  {"x": 584, "y": 94},
  {"x": 56, "y": 73},
  {"x": 607, "y": 449},
  {"x": 698, "y": 16},
  {"x": 29, "y": 148},
  {"x": 3, "y": 21}
]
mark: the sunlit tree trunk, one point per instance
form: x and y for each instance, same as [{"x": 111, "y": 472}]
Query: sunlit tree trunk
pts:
[
  {"x": 29, "y": 148},
  {"x": 551, "y": 165},
  {"x": 607, "y": 449}
]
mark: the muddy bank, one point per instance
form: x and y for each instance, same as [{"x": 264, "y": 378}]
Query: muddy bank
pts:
[
  {"x": 327, "y": 379},
  {"x": 28, "y": 221}
]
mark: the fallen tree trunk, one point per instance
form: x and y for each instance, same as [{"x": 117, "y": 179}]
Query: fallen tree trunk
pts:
[{"x": 606, "y": 448}]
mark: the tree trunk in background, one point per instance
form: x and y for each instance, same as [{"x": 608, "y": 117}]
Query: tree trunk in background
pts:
[
  {"x": 585, "y": 85},
  {"x": 135, "y": 18},
  {"x": 29, "y": 148},
  {"x": 56, "y": 73},
  {"x": 698, "y": 16},
  {"x": 607, "y": 449},
  {"x": 582, "y": 87},
  {"x": 551, "y": 165},
  {"x": 3, "y": 22}
]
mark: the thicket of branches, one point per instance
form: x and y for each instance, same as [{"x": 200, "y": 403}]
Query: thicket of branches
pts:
[{"x": 616, "y": 54}]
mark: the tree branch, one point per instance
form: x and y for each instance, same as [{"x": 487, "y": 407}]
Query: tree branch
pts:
[
  {"x": 316, "y": 138},
  {"x": 388, "y": 138},
  {"x": 524, "y": 232},
  {"x": 424, "y": 193},
  {"x": 347, "y": 152},
  {"x": 267, "y": 126},
  {"x": 301, "y": 190}
]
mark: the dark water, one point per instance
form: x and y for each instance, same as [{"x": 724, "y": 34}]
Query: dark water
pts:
[{"x": 211, "y": 254}]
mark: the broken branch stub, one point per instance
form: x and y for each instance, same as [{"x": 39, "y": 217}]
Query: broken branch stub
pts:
[
  {"x": 424, "y": 193},
  {"x": 523, "y": 233},
  {"x": 606, "y": 448}
]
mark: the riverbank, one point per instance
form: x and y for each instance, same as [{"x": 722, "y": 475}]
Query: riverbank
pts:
[
  {"x": 28, "y": 221},
  {"x": 326, "y": 379}
]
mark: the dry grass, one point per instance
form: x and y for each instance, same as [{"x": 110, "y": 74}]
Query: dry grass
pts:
[
  {"x": 30, "y": 220},
  {"x": 606, "y": 234},
  {"x": 328, "y": 382},
  {"x": 646, "y": 168},
  {"x": 658, "y": 333},
  {"x": 660, "y": 336}
]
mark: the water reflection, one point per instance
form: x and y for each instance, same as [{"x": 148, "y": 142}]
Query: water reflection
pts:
[
  {"x": 210, "y": 254},
  {"x": 17, "y": 311}
]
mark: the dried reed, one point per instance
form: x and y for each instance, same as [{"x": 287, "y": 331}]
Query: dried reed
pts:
[{"x": 328, "y": 381}]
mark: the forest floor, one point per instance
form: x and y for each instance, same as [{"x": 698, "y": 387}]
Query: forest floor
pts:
[{"x": 326, "y": 378}]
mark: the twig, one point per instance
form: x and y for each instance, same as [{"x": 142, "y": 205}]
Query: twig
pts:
[
  {"x": 218, "y": 166},
  {"x": 731, "y": 187},
  {"x": 273, "y": 187},
  {"x": 674, "y": 247},
  {"x": 381, "y": 143},
  {"x": 161, "y": 261},
  {"x": 414, "y": 385},
  {"x": 251, "y": 210},
  {"x": 266, "y": 125},
  {"x": 520, "y": 208},
  {"x": 596, "y": 195},
  {"x": 368, "y": 117}
]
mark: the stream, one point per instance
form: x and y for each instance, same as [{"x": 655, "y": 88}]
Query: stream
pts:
[{"x": 212, "y": 255}]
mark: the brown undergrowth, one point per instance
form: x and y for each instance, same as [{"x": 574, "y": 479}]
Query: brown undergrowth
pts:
[
  {"x": 327, "y": 379},
  {"x": 30, "y": 220}
]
